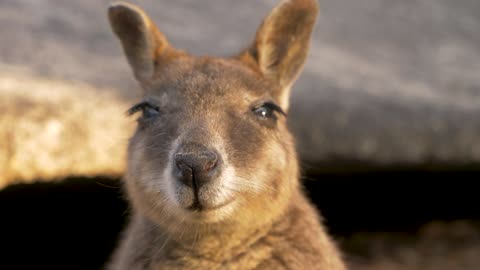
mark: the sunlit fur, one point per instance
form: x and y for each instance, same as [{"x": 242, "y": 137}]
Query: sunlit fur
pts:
[
  {"x": 256, "y": 215},
  {"x": 205, "y": 107}
]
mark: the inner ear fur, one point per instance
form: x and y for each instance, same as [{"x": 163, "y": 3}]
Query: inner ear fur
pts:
[
  {"x": 282, "y": 42},
  {"x": 144, "y": 45}
]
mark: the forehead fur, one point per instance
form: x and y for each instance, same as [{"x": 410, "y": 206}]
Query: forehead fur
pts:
[{"x": 206, "y": 77}]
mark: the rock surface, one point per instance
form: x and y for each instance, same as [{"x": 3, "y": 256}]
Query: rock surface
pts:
[
  {"x": 50, "y": 129},
  {"x": 435, "y": 246}
]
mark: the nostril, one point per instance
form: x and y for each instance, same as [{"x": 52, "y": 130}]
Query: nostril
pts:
[
  {"x": 180, "y": 161},
  {"x": 210, "y": 165},
  {"x": 184, "y": 170},
  {"x": 210, "y": 161}
]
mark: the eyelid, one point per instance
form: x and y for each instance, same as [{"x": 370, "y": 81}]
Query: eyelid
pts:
[
  {"x": 140, "y": 106},
  {"x": 274, "y": 107}
]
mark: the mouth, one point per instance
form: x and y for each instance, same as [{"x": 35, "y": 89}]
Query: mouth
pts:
[{"x": 197, "y": 206}]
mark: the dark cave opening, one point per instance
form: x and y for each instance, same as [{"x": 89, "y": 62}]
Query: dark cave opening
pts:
[{"x": 75, "y": 223}]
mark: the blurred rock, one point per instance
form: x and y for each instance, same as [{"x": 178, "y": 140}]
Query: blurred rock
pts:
[
  {"x": 50, "y": 129},
  {"x": 436, "y": 246},
  {"x": 387, "y": 83}
]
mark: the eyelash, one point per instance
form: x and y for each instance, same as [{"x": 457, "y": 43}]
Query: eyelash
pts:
[
  {"x": 269, "y": 105},
  {"x": 275, "y": 107},
  {"x": 145, "y": 106},
  {"x": 142, "y": 106}
]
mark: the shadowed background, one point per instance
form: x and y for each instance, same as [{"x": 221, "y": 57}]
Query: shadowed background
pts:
[{"x": 389, "y": 86}]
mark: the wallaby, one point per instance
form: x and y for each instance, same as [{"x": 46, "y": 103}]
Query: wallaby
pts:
[{"x": 212, "y": 175}]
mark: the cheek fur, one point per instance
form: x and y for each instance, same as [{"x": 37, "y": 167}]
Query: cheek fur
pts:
[
  {"x": 245, "y": 141},
  {"x": 148, "y": 156},
  {"x": 260, "y": 155}
]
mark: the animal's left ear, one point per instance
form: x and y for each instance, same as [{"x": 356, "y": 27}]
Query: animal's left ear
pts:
[{"x": 282, "y": 42}]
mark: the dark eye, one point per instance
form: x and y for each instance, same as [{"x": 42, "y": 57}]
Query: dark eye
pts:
[
  {"x": 264, "y": 112},
  {"x": 267, "y": 110},
  {"x": 148, "y": 110}
]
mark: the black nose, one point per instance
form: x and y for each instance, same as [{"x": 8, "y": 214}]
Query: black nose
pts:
[{"x": 196, "y": 165}]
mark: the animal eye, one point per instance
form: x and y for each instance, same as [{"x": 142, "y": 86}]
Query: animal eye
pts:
[
  {"x": 148, "y": 110},
  {"x": 263, "y": 112},
  {"x": 267, "y": 110}
]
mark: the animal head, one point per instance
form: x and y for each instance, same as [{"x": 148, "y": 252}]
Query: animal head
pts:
[{"x": 212, "y": 144}]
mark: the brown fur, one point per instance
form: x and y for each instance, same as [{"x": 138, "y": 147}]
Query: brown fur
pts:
[{"x": 254, "y": 215}]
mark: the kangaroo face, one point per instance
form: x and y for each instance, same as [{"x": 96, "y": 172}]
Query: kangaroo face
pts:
[
  {"x": 210, "y": 139},
  {"x": 212, "y": 144}
]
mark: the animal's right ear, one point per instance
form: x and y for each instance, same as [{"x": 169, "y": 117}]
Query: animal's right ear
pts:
[
  {"x": 144, "y": 45},
  {"x": 281, "y": 44}
]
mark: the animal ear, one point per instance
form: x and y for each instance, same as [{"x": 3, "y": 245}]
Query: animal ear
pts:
[
  {"x": 144, "y": 45},
  {"x": 282, "y": 42}
]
